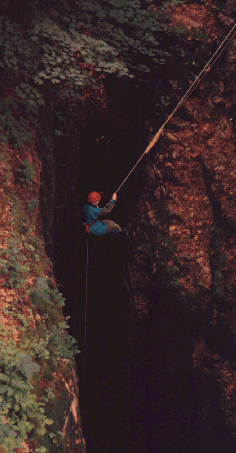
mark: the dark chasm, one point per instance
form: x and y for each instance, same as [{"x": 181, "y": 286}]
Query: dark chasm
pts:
[{"x": 137, "y": 390}]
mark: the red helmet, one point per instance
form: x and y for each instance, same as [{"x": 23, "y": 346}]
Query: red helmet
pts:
[{"x": 93, "y": 197}]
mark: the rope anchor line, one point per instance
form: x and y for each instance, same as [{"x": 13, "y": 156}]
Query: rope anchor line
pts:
[
  {"x": 85, "y": 308},
  {"x": 199, "y": 78}
]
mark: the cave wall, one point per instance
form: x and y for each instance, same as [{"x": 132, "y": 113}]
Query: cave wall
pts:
[
  {"x": 181, "y": 275},
  {"x": 178, "y": 260},
  {"x": 39, "y": 393}
]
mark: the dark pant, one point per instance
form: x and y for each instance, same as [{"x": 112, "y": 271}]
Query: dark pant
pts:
[{"x": 112, "y": 227}]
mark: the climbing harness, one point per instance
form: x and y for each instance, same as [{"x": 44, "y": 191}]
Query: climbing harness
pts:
[
  {"x": 88, "y": 225},
  {"x": 199, "y": 78}
]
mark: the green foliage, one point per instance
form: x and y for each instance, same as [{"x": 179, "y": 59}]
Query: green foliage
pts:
[
  {"x": 33, "y": 204},
  {"x": 26, "y": 173},
  {"x": 13, "y": 129},
  {"x": 27, "y": 409},
  {"x": 63, "y": 51},
  {"x": 164, "y": 100},
  {"x": 63, "y": 345},
  {"x": 53, "y": 55},
  {"x": 36, "y": 242},
  {"x": 140, "y": 35},
  {"x": 175, "y": 2},
  {"x": 171, "y": 277},
  {"x": 19, "y": 105},
  {"x": 54, "y": 337},
  {"x": 23, "y": 246},
  {"x": 187, "y": 256},
  {"x": 19, "y": 219},
  {"x": 13, "y": 263},
  {"x": 18, "y": 405},
  {"x": 41, "y": 292},
  {"x": 46, "y": 54},
  {"x": 48, "y": 395},
  {"x": 32, "y": 251},
  {"x": 165, "y": 247}
]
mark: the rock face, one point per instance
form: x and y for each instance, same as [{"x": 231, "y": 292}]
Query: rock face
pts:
[
  {"x": 177, "y": 352},
  {"x": 39, "y": 408},
  {"x": 181, "y": 279}
]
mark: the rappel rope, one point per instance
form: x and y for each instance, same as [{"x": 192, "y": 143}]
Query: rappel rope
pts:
[
  {"x": 206, "y": 69},
  {"x": 85, "y": 309},
  {"x": 199, "y": 78}
]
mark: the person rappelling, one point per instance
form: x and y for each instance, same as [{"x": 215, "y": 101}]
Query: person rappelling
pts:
[
  {"x": 91, "y": 209},
  {"x": 93, "y": 213}
]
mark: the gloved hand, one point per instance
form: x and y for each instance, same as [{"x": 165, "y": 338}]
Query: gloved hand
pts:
[{"x": 114, "y": 197}]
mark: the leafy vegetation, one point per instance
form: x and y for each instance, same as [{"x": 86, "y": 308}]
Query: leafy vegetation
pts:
[
  {"x": 33, "y": 337},
  {"x": 33, "y": 204},
  {"x": 55, "y": 51},
  {"x": 26, "y": 173},
  {"x": 19, "y": 406},
  {"x": 45, "y": 55},
  {"x": 20, "y": 360},
  {"x": 141, "y": 36},
  {"x": 49, "y": 303},
  {"x": 13, "y": 264}
]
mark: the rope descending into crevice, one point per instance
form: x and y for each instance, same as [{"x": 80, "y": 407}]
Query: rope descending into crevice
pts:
[
  {"x": 199, "y": 78},
  {"x": 85, "y": 308}
]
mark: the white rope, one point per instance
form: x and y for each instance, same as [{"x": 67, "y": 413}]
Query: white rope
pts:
[
  {"x": 86, "y": 304},
  {"x": 206, "y": 69}
]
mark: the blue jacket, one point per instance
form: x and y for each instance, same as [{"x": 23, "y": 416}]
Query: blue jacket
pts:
[{"x": 92, "y": 213}]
